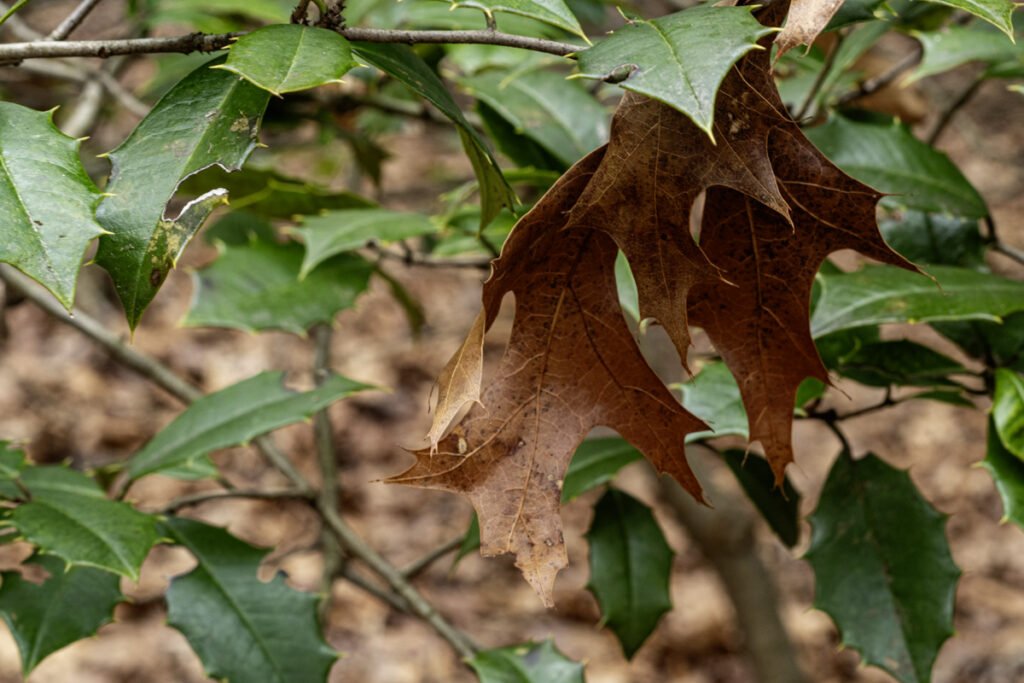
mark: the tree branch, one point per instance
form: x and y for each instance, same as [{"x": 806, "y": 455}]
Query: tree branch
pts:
[
  {"x": 327, "y": 463},
  {"x": 163, "y": 376},
  {"x": 72, "y": 21},
  {"x": 413, "y": 258},
  {"x": 878, "y": 82},
  {"x": 204, "y": 496},
  {"x": 200, "y": 42},
  {"x": 417, "y": 566}
]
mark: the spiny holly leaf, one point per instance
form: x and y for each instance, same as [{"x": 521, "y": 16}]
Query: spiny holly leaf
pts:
[
  {"x": 400, "y": 62},
  {"x": 807, "y": 18},
  {"x": 1007, "y": 472},
  {"x": 955, "y": 45},
  {"x": 288, "y": 57},
  {"x": 571, "y": 364},
  {"x": 879, "y": 294},
  {"x": 256, "y": 286},
  {"x": 334, "y": 232},
  {"x": 272, "y": 194},
  {"x": 243, "y": 629},
  {"x": 210, "y": 117},
  {"x": 529, "y": 663},
  {"x": 71, "y": 604},
  {"x": 559, "y": 115},
  {"x": 679, "y": 59},
  {"x": 46, "y": 199},
  {"x": 902, "y": 362},
  {"x": 630, "y": 568},
  {"x": 12, "y": 461},
  {"x": 999, "y": 13},
  {"x": 885, "y": 154},
  {"x": 554, "y": 12},
  {"x": 780, "y": 506},
  {"x": 233, "y": 416},
  {"x": 888, "y": 586},
  {"x": 1008, "y": 410},
  {"x": 1002, "y": 342},
  {"x": 70, "y": 517},
  {"x": 713, "y": 396},
  {"x": 596, "y": 462},
  {"x": 936, "y": 239}
]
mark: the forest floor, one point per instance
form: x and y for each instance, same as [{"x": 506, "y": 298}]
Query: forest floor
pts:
[{"x": 68, "y": 400}]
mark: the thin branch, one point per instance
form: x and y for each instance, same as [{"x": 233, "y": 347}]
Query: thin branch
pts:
[
  {"x": 200, "y": 42},
  {"x": 72, "y": 21},
  {"x": 819, "y": 80},
  {"x": 205, "y": 496},
  {"x": 414, "y": 258},
  {"x": 416, "y": 567},
  {"x": 383, "y": 594},
  {"x": 163, "y": 376},
  {"x": 992, "y": 237},
  {"x": 953, "y": 108},
  {"x": 418, "y": 605},
  {"x": 299, "y": 13},
  {"x": 872, "y": 85},
  {"x": 327, "y": 462},
  {"x": 92, "y": 328}
]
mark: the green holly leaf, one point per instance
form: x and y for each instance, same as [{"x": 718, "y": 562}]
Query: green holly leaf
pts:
[
  {"x": 630, "y": 568},
  {"x": 884, "y": 154},
  {"x": 238, "y": 228},
  {"x": 559, "y": 115},
  {"x": 12, "y": 461},
  {"x": 1002, "y": 342},
  {"x": 713, "y": 396},
  {"x": 679, "y": 59},
  {"x": 69, "y": 516},
  {"x": 1007, "y": 472},
  {"x": 554, "y": 12},
  {"x": 210, "y": 117},
  {"x": 48, "y": 225},
  {"x": 71, "y": 604},
  {"x": 257, "y": 287},
  {"x": 999, "y": 13},
  {"x": 888, "y": 586},
  {"x": 1008, "y": 410},
  {"x": 595, "y": 462},
  {"x": 405, "y": 66},
  {"x": 233, "y": 416},
  {"x": 900, "y": 362},
  {"x": 936, "y": 239},
  {"x": 288, "y": 57},
  {"x": 779, "y": 507},
  {"x": 527, "y": 663},
  {"x": 884, "y": 294},
  {"x": 853, "y": 12},
  {"x": 334, "y": 232},
  {"x": 271, "y": 194},
  {"x": 955, "y": 45},
  {"x": 243, "y": 629}
]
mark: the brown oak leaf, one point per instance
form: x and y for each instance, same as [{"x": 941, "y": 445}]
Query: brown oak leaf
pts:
[
  {"x": 571, "y": 364},
  {"x": 807, "y": 18},
  {"x": 760, "y": 322}
]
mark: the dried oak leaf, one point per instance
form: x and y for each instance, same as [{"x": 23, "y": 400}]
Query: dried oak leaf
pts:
[
  {"x": 656, "y": 165},
  {"x": 807, "y": 18},
  {"x": 761, "y": 325},
  {"x": 571, "y": 364}
]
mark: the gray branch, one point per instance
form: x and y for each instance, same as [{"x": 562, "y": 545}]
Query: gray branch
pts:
[{"x": 200, "y": 42}]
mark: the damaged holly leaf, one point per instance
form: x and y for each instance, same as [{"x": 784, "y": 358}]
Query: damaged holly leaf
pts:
[
  {"x": 571, "y": 364},
  {"x": 807, "y": 18}
]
